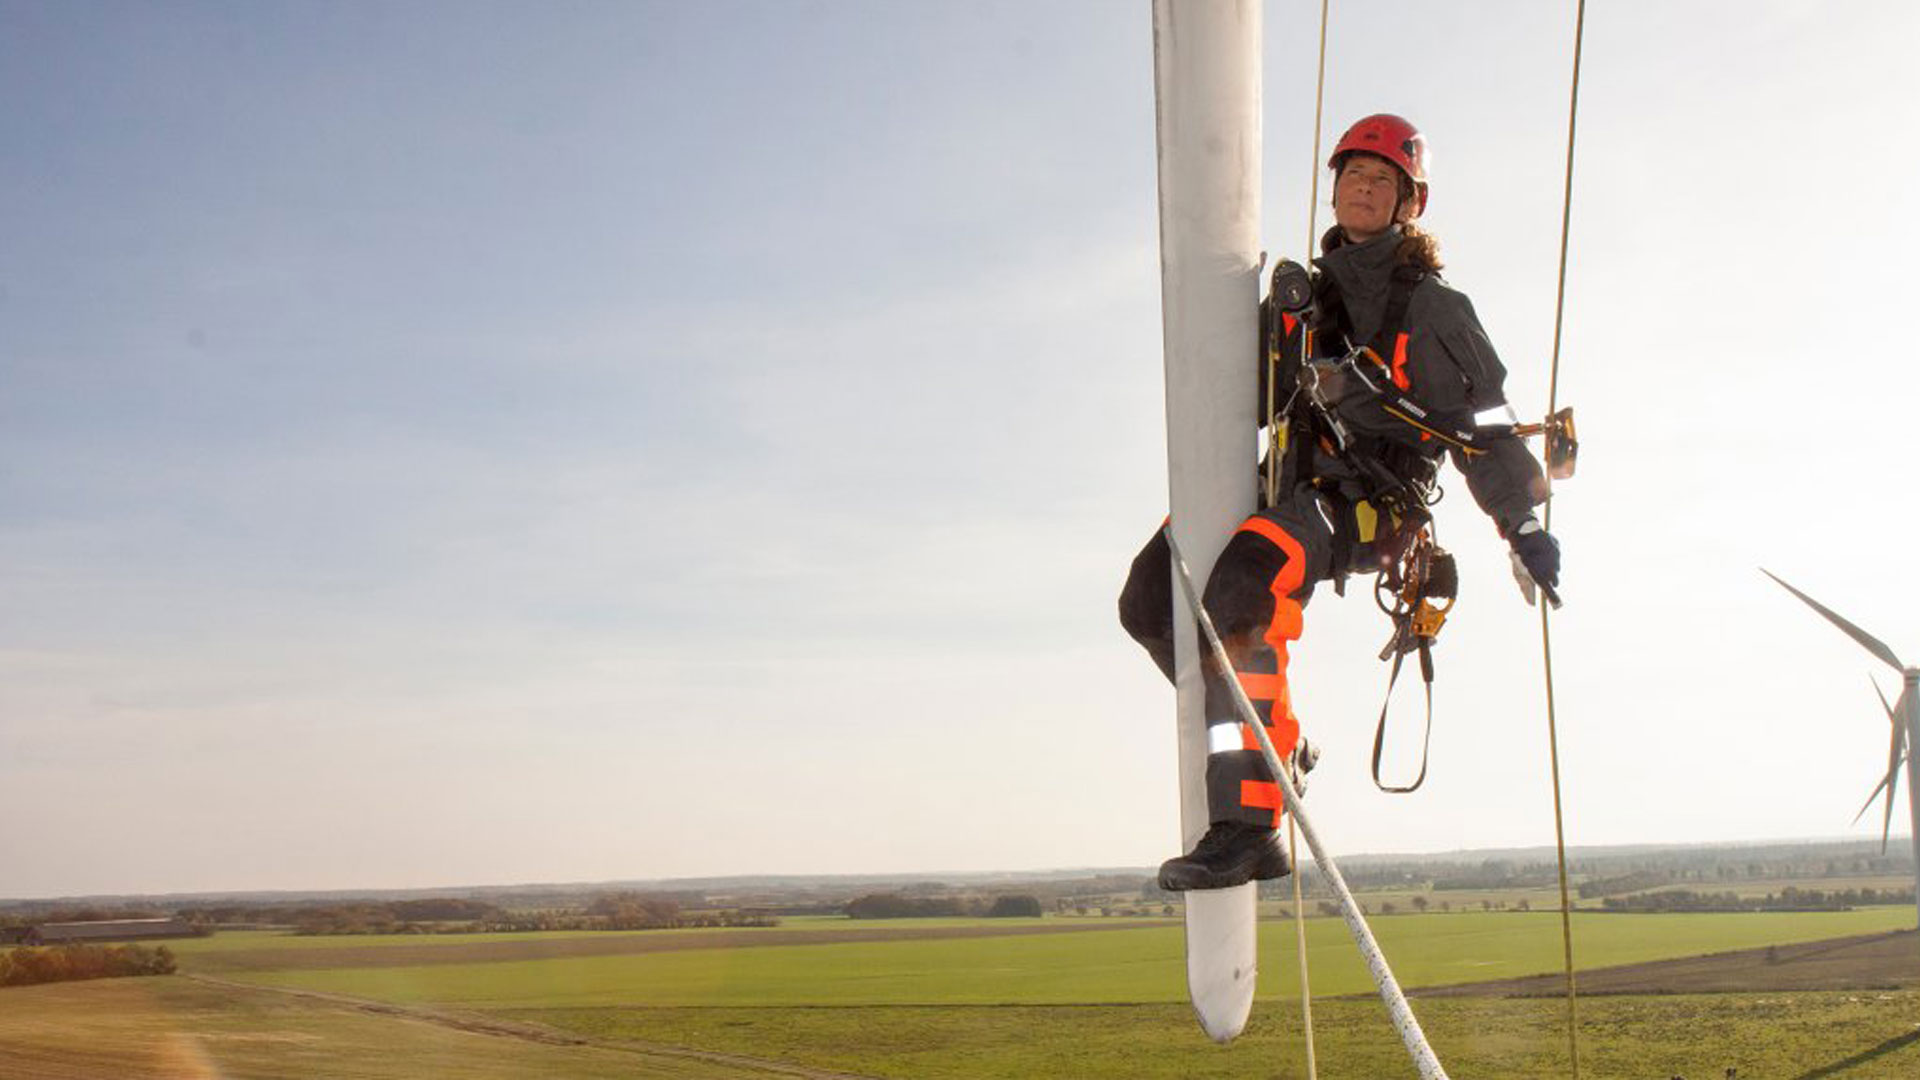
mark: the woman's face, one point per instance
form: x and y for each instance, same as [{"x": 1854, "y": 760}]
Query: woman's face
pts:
[{"x": 1366, "y": 196}]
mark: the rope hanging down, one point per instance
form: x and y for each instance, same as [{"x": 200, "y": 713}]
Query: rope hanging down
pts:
[
  {"x": 1546, "y": 634},
  {"x": 1273, "y": 476}
]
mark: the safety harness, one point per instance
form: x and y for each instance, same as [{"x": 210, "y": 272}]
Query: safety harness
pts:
[
  {"x": 1417, "y": 583},
  {"x": 1397, "y": 479}
]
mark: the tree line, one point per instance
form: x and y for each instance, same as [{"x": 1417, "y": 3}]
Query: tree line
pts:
[
  {"x": 605, "y": 911},
  {"x": 1787, "y": 899},
  {"x": 899, "y": 906},
  {"x": 1621, "y": 884},
  {"x": 27, "y": 966},
  {"x": 30, "y": 915}
]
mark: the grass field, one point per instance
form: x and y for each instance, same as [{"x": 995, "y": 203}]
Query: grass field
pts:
[
  {"x": 179, "y": 1029},
  {"x": 1871, "y": 1037},
  {"x": 938, "y": 998},
  {"x": 1119, "y": 966}
]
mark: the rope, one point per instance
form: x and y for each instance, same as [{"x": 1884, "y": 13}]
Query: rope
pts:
[
  {"x": 1313, "y": 210},
  {"x": 1299, "y": 903},
  {"x": 1319, "y": 96},
  {"x": 1300, "y": 943},
  {"x": 1546, "y": 633},
  {"x": 1397, "y": 1008}
]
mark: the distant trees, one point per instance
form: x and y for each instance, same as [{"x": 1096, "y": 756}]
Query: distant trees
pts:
[
  {"x": 634, "y": 911},
  {"x": 1787, "y": 899},
  {"x": 32, "y": 915},
  {"x": 1494, "y": 874},
  {"x": 602, "y": 911},
  {"x": 392, "y": 917},
  {"x": 385, "y": 916},
  {"x": 1621, "y": 884},
  {"x": 896, "y": 906},
  {"x": 65, "y": 963},
  {"x": 1014, "y": 907}
]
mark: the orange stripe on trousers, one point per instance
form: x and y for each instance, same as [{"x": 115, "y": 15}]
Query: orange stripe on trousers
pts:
[
  {"x": 1283, "y": 727},
  {"x": 1262, "y": 795}
]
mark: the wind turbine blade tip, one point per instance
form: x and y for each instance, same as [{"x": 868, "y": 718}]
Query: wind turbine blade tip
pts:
[{"x": 1865, "y": 640}]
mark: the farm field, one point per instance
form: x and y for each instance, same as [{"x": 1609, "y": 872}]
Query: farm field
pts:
[
  {"x": 1866, "y": 962},
  {"x": 978, "y": 964},
  {"x": 1754, "y": 887},
  {"x": 1046, "y": 998},
  {"x": 257, "y": 950},
  {"x": 175, "y": 1028},
  {"x": 1796, "y": 1036}
]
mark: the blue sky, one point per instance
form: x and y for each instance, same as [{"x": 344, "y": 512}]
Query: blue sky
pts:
[{"x": 497, "y": 442}]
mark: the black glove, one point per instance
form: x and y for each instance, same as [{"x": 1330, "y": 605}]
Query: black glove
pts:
[{"x": 1536, "y": 559}]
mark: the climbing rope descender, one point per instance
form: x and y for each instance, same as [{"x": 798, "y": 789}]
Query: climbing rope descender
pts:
[
  {"x": 1563, "y": 444},
  {"x": 1417, "y": 591}
]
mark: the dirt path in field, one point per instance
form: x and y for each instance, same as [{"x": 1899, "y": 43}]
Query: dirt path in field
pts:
[
  {"x": 536, "y": 1033},
  {"x": 511, "y": 947},
  {"x": 1887, "y": 961}
]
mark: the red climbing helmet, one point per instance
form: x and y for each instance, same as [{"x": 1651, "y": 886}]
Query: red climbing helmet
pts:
[{"x": 1392, "y": 138}]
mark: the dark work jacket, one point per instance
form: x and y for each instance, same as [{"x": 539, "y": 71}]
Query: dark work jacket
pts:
[{"x": 1450, "y": 366}]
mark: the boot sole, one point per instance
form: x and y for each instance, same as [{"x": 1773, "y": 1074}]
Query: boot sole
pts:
[{"x": 1185, "y": 879}]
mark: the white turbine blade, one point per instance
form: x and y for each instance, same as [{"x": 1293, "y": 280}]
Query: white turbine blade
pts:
[
  {"x": 1894, "y": 756},
  {"x": 1871, "y": 643},
  {"x": 1892, "y": 716},
  {"x": 1868, "y": 805}
]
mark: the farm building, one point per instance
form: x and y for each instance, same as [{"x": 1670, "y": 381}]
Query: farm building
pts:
[{"x": 72, "y": 933}]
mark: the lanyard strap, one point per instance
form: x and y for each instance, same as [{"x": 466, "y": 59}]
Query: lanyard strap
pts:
[{"x": 1426, "y": 735}]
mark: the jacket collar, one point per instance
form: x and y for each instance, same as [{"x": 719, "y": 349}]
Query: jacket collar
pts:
[{"x": 1363, "y": 275}]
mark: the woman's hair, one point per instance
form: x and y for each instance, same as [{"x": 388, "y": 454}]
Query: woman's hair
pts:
[{"x": 1418, "y": 247}]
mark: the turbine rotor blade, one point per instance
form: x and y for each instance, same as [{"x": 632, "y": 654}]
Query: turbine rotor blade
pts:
[
  {"x": 1868, "y": 805},
  {"x": 1894, "y": 756},
  {"x": 1892, "y": 716},
  {"x": 1868, "y": 641}
]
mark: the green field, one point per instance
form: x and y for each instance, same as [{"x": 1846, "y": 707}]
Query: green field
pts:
[
  {"x": 178, "y": 1029},
  {"x": 1120, "y": 966},
  {"x": 1699, "y": 1036},
  {"x": 1049, "y": 998}
]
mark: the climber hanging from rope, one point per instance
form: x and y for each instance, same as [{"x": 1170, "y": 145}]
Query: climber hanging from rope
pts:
[{"x": 1373, "y": 370}]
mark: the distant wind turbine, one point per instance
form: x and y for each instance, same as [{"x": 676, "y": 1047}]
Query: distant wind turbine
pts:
[{"x": 1903, "y": 715}]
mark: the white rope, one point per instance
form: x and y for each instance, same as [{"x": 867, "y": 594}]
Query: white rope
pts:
[
  {"x": 1397, "y": 1008},
  {"x": 1300, "y": 946}
]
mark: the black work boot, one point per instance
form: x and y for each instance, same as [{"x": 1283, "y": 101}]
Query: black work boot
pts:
[{"x": 1232, "y": 853}]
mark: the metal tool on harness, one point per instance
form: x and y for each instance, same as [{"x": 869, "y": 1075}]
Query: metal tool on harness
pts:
[
  {"x": 1417, "y": 592},
  {"x": 1563, "y": 444},
  {"x": 1289, "y": 300}
]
